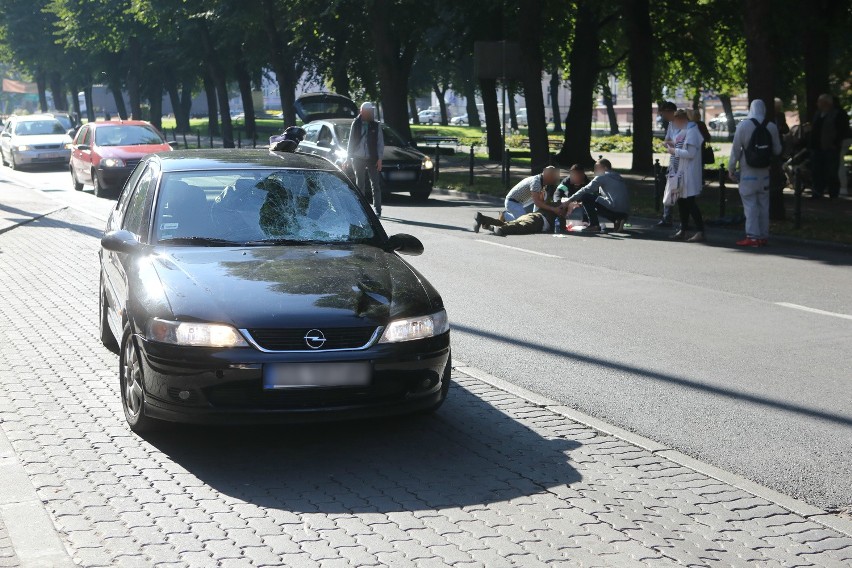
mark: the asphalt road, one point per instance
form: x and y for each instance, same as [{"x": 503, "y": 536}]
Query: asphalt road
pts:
[{"x": 708, "y": 349}]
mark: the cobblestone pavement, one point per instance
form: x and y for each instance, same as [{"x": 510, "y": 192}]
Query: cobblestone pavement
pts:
[
  {"x": 8, "y": 558},
  {"x": 491, "y": 480}
]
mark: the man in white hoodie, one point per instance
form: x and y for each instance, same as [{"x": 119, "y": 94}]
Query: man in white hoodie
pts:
[{"x": 753, "y": 178}]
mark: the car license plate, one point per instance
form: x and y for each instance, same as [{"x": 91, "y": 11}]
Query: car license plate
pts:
[
  {"x": 402, "y": 176},
  {"x": 302, "y": 375},
  {"x": 50, "y": 156}
]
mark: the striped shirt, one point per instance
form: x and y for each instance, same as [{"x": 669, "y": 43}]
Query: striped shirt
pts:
[{"x": 522, "y": 193}]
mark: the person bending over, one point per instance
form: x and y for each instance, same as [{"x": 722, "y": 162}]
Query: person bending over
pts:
[
  {"x": 605, "y": 196},
  {"x": 529, "y": 191}
]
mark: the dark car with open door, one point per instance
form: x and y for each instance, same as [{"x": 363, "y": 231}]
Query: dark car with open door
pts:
[{"x": 247, "y": 285}]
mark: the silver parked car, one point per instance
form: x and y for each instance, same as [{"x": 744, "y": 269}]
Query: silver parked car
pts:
[{"x": 34, "y": 140}]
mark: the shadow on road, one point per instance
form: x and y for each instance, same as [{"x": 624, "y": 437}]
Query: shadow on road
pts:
[
  {"x": 842, "y": 420},
  {"x": 468, "y": 453}
]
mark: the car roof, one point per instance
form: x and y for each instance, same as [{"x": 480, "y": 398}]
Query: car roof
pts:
[
  {"x": 233, "y": 159},
  {"x": 119, "y": 122},
  {"x": 29, "y": 117}
]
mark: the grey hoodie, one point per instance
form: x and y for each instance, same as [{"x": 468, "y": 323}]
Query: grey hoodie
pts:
[{"x": 609, "y": 190}]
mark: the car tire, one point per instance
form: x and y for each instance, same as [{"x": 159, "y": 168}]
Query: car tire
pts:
[
  {"x": 421, "y": 194},
  {"x": 99, "y": 189},
  {"x": 77, "y": 185},
  {"x": 107, "y": 337},
  {"x": 130, "y": 384},
  {"x": 445, "y": 388}
]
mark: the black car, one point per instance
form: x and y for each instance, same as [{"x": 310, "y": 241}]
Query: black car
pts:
[
  {"x": 247, "y": 285},
  {"x": 329, "y": 117}
]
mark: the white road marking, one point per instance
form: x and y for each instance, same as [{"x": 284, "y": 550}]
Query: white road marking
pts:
[
  {"x": 813, "y": 310},
  {"x": 528, "y": 251}
]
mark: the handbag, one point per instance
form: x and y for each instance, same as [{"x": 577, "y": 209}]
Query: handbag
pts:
[
  {"x": 707, "y": 155},
  {"x": 674, "y": 189}
]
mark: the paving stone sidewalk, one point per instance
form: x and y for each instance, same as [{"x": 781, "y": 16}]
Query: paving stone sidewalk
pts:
[{"x": 492, "y": 480}]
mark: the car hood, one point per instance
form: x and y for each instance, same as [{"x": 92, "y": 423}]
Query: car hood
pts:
[
  {"x": 286, "y": 287},
  {"x": 40, "y": 139},
  {"x": 131, "y": 152},
  {"x": 395, "y": 154}
]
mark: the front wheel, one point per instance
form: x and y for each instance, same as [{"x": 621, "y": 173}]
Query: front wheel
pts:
[
  {"x": 78, "y": 186},
  {"x": 130, "y": 382},
  {"x": 421, "y": 194},
  {"x": 99, "y": 189}
]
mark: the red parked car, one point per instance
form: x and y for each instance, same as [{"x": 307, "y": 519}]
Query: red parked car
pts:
[{"x": 105, "y": 153}]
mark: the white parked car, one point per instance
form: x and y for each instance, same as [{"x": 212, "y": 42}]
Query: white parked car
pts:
[
  {"x": 429, "y": 116},
  {"x": 34, "y": 140},
  {"x": 462, "y": 120}
]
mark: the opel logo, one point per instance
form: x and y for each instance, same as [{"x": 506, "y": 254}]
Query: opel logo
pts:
[{"x": 315, "y": 339}]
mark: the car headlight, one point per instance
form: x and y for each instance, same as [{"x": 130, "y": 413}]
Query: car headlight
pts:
[
  {"x": 112, "y": 163},
  {"x": 69, "y": 145},
  {"x": 427, "y": 163},
  {"x": 194, "y": 334},
  {"x": 416, "y": 328},
  {"x": 22, "y": 148}
]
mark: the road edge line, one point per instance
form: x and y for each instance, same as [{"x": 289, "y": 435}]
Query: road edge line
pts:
[
  {"x": 34, "y": 538},
  {"x": 795, "y": 506}
]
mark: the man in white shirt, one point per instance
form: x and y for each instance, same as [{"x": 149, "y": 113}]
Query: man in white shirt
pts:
[{"x": 529, "y": 191}]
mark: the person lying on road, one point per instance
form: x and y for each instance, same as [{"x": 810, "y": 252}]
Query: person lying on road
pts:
[
  {"x": 529, "y": 191},
  {"x": 541, "y": 221}
]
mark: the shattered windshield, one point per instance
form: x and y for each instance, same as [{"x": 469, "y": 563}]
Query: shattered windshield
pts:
[{"x": 256, "y": 207}]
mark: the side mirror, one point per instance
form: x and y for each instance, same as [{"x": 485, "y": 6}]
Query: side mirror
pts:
[
  {"x": 405, "y": 244},
  {"x": 120, "y": 241},
  {"x": 84, "y": 147},
  {"x": 6, "y": 135},
  {"x": 174, "y": 144}
]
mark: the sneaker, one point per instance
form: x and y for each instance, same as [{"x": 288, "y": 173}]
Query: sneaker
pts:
[
  {"x": 618, "y": 226},
  {"x": 696, "y": 238},
  {"x": 499, "y": 231},
  {"x": 748, "y": 242}
]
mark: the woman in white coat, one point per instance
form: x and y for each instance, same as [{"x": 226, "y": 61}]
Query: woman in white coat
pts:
[
  {"x": 754, "y": 182},
  {"x": 686, "y": 163}
]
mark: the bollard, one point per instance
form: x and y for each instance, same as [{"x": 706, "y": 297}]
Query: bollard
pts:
[
  {"x": 198, "y": 139},
  {"x": 798, "y": 187},
  {"x": 254, "y": 141},
  {"x": 437, "y": 160},
  {"x": 239, "y": 138},
  {"x": 722, "y": 200},
  {"x": 471, "y": 165},
  {"x": 211, "y": 139},
  {"x": 508, "y": 168},
  {"x": 658, "y": 174},
  {"x": 185, "y": 143}
]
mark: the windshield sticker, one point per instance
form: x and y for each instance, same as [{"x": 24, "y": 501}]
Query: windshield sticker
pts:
[{"x": 169, "y": 226}]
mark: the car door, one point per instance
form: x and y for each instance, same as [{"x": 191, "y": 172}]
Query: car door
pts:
[
  {"x": 76, "y": 153},
  {"x": 6, "y": 137},
  {"x": 130, "y": 214},
  {"x": 85, "y": 163}
]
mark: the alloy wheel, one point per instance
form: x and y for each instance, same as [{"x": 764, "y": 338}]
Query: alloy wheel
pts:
[{"x": 131, "y": 380}]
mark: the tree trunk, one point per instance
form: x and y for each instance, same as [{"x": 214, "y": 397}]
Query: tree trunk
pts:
[
  {"x": 244, "y": 82},
  {"x": 640, "y": 64},
  {"x": 75, "y": 104},
  {"x": 412, "y": 110},
  {"x": 181, "y": 116},
  {"x": 555, "y": 83},
  {"x": 610, "y": 104},
  {"x": 217, "y": 74},
  {"x": 493, "y": 136},
  {"x": 513, "y": 112},
  {"x": 134, "y": 78},
  {"x": 816, "y": 49},
  {"x": 155, "y": 102},
  {"x": 584, "y": 68},
  {"x": 41, "y": 84},
  {"x": 118, "y": 96},
  {"x": 282, "y": 63},
  {"x": 90, "y": 105},
  {"x": 57, "y": 89},
  {"x": 760, "y": 56},
  {"x": 394, "y": 58},
  {"x": 212, "y": 105},
  {"x": 470, "y": 104},
  {"x": 530, "y": 19},
  {"x": 186, "y": 105},
  {"x": 728, "y": 109},
  {"x": 442, "y": 104}
]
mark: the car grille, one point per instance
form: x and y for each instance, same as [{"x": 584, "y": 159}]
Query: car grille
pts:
[
  {"x": 294, "y": 339},
  {"x": 47, "y": 146}
]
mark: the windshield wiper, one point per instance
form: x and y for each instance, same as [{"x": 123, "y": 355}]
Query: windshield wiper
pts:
[
  {"x": 202, "y": 241},
  {"x": 282, "y": 242}
]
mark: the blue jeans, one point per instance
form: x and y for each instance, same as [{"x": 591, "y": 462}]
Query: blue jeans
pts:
[{"x": 513, "y": 210}]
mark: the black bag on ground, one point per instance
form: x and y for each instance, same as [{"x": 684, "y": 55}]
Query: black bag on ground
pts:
[{"x": 758, "y": 153}]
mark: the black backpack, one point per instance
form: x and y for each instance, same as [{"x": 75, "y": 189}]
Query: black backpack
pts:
[{"x": 758, "y": 153}]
